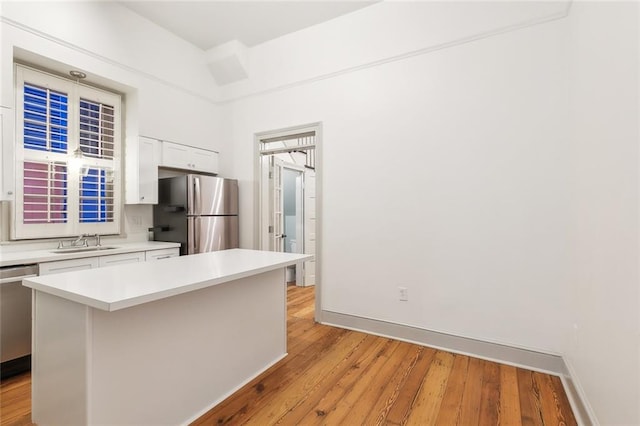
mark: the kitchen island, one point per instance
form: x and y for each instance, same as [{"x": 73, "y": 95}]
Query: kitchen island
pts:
[{"x": 155, "y": 343}]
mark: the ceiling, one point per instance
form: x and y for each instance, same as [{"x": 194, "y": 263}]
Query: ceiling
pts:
[{"x": 209, "y": 23}]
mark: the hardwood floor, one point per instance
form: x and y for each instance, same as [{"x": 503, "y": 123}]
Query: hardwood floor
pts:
[
  {"x": 340, "y": 377},
  {"x": 15, "y": 400}
]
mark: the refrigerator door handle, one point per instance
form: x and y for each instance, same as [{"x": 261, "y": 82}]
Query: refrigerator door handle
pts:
[
  {"x": 196, "y": 195},
  {"x": 196, "y": 235},
  {"x": 191, "y": 235}
]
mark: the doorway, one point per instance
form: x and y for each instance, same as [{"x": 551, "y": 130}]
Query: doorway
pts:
[
  {"x": 293, "y": 216},
  {"x": 286, "y": 196}
]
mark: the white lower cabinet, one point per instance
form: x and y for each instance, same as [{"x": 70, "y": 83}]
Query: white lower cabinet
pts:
[
  {"x": 47, "y": 268},
  {"x": 60, "y": 266}
]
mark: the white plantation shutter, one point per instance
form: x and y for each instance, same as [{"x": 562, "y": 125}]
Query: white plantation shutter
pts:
[
  {"x": 97, "y": 129},
  {"x": 45, "y": 119},
  {"x": 56, "y": 116},
  {"x": 45, "y": 192},
  {"x": 97, "y": 195}
]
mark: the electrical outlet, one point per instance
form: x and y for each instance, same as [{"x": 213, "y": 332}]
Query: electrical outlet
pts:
[
  {"x": 403, "y": 294},
  {"x": 136, "y": 220}
]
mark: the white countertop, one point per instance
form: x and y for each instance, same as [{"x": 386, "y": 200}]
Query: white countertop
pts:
[
  {"x": 22, "y": 257},
  {"x": 122, "y": 286}
]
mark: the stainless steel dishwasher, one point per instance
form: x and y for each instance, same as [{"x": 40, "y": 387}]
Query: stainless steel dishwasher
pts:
[{"x": 15, "y": 319}]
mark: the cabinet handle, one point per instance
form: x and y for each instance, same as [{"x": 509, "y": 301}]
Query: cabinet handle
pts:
[{"x": 164, "y": 257}]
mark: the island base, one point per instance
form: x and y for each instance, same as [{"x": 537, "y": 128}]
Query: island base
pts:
[{"x": 163, "y": 362}]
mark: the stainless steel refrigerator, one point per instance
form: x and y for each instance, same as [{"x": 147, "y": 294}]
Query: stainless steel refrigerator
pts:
[{"x": 199, "y": 212}]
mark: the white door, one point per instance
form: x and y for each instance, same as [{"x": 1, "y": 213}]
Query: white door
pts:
[
  {"x": 276, "y": 226},
  {"x": 266, "y": 191},
  {"x": 299, "y": 225},
  {"x": 309, "y": 226}
]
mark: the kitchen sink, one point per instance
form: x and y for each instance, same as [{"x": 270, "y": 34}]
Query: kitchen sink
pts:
[{"x": 82, "y": 249}]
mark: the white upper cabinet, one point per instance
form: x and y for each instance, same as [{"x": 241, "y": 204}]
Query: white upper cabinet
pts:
[
  {"x": 142, "y": 161},
  {"x": 189, "y": 158},
  {"x": 7, "y": 165}
]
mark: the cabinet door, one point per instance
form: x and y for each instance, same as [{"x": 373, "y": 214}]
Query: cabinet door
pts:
[
  {"x": 175, "y": 155},
  {"x": 189, "y": 158},
  {"x": 49, "y": 268},
  {"x": 152, "y": 255},
  {"x": 142, "y": 161},
  {"x": 119, "y": 259},
  {"x": 7, "y": 164},
  {"x": 149, "y": 157},
  {"x": 204, "y": 161}
]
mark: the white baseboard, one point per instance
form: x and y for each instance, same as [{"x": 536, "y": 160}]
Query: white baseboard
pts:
[
  {"x": 504, "y": 354},
  {"x": 579, "y": 403}
]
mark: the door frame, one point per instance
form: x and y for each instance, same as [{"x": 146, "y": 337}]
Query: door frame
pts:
[{"x": 257, "y": 196}]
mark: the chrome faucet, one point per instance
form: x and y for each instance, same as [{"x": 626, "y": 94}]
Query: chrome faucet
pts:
[{"x": 81, "y": 241}]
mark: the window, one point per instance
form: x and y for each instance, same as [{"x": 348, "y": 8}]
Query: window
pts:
[{"x": 58, "y": 191}]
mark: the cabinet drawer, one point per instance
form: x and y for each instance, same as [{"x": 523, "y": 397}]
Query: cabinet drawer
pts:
[
  {"x": 48, "y": 268},
  {"x": 119, "y": 259},
  {"x": 162, "y": 254}
]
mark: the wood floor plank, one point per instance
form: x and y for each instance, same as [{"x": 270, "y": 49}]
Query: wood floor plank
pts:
[
  {"x": 364, "y": 393},
  {"x": 551, "y": 405},
  {"x": 562, "y": 402},
  {"x": 426, "y": 406},
  {"x": 509, "y": 396},
  {"x": 543, "y": 383},
  {"x": 450, "y": 409},
  {"x": 278, "y": 403},
  {"x": 401, "y": 409},
  {"x": 15, "y": 400},
  {"x": 392, "y": 389},
  {"x": 472, "y": 394},
  {"x": 329, "y": 384},
  {"x": 330, "y": 401},
  {"x": 490, "y": 401},
  {"x": 296, "y": 344},
  {"x": 335, "y": 376},
  {"x": 529, "y": 399}
]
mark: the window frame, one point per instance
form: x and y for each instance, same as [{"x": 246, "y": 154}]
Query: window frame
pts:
[{"x": 75, "y": 92}]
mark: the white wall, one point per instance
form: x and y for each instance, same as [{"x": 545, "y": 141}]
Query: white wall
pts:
[
  {"x": 603, "y": 351},
  {"x": 459, "y": 191},
  {"x": 496, "y": 178}
]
